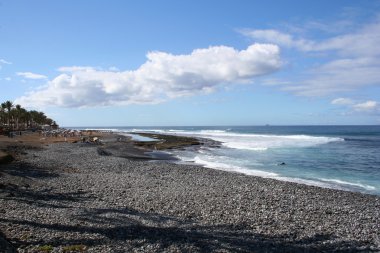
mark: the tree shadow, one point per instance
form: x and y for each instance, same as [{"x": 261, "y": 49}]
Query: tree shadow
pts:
[
  {"x": 41, "y": 198},
  {"x": 5, "y": 245},
  {"x": 107, "y": 216},
  {"x": 19, "y": 187},
  {"x": 25, "y": 170},
  {"x": 123, "y": 226}
]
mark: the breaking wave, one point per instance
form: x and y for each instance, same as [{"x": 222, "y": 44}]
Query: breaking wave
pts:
[{"x": 260, "y": 142}]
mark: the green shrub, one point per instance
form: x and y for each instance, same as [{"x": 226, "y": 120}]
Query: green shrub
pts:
[
  {"x": 45, "y": 248},
  {"x": 74, "y": 248}
]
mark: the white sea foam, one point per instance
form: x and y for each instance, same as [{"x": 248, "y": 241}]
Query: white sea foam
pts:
[
  {"x": 324, "y": 183},
  {"x": 260, "y": 142},
  {"x": 102, "y": 129},
  {"x": 146, "y": 130},
  {"x": 212, "y": 131},
  {"x": 264, "y": 174},
  {"x": 310, "y": 182},
  {"x": 345, "y": 183},
  {"x": 232, "y": 168}
]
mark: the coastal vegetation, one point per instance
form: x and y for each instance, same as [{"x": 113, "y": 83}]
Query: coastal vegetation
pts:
[{"x": 15, "y": 117}]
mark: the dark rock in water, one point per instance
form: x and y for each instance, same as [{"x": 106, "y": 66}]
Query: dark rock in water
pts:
[{"x": 283, "y": 163}]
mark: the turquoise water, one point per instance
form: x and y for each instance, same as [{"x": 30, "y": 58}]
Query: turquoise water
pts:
[
  {"x": 340, "y": 157},
  {"x": 136, "y": 137}
]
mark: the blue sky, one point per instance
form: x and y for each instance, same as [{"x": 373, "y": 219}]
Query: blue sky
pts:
[{"x": 144, "y": 63}]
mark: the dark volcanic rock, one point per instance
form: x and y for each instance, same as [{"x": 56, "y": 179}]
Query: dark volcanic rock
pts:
[{"x": 166, "y": 141}]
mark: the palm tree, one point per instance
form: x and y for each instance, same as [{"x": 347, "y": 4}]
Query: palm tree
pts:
[
  {"x": 9, "y": 106},
  {"x": 17, "y": 114},
  {"x": 33, "y": 117},
  {"x": 3, "y": 113},
  {"x": 24, "y": 118},
  {"x": 49, "y": 121},
  {"x": 41, "y": 118},
  {"x": 16, "y": 117},
  {"x": 38, "y": 118}
]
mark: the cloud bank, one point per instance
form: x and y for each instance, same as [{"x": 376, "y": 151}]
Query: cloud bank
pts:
[
  {"x": 347, "y": 61},
  {"x": 163, "y": 76}
]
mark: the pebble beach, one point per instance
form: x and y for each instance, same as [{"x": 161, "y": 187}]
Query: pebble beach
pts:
[{"x": 69, "y": 197}]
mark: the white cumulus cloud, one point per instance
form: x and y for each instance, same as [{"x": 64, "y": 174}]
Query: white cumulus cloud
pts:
[
  {"x": 279, "y": 38},
  {"x": 342, "y": 101},
  {"x": 161, "y": 77},
  {"x": 30, "y": 75},
  {"x": 368, "y": 106}
]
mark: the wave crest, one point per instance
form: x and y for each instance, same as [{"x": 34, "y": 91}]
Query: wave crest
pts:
[
  {"x": 260, "y": 142},
  {"x": 233, "y": 168}
]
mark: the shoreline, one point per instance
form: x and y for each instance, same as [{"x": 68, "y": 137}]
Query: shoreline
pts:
[
  {"x": 67, "y": 194},
  {"x": 336, "y": 184},
  {"x": 123, "y": 144}
]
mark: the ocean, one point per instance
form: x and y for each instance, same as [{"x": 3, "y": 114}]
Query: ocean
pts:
[{"x": 338, "y": 157}]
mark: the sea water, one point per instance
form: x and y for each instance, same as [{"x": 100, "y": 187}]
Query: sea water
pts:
[{"x": 339, "y": 157}]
